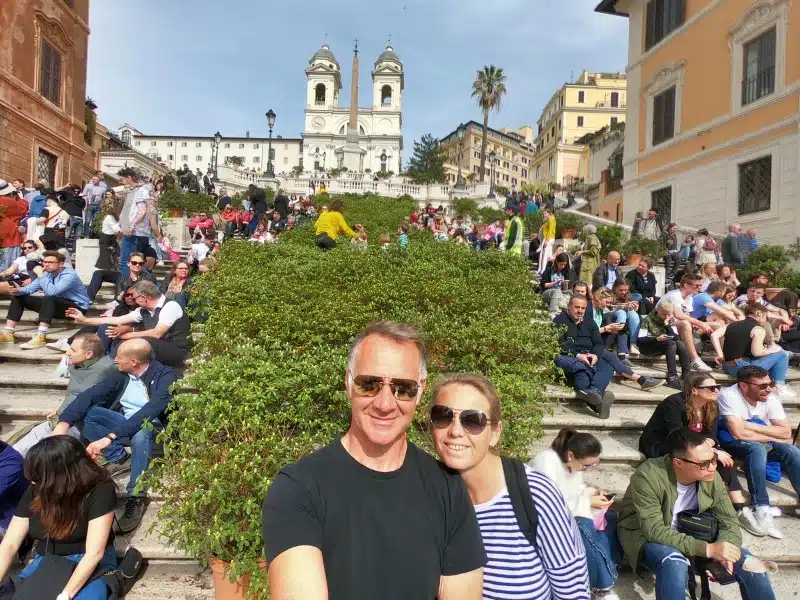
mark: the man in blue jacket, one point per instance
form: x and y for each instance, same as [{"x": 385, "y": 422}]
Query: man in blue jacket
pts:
[{"x": 111, "y": 414}]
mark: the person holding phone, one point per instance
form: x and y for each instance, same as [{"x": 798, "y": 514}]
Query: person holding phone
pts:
[
  {"x": 657, "y": 338},
  {"x": 552, "y": 282},
  {"x": 571, "y": 454}
]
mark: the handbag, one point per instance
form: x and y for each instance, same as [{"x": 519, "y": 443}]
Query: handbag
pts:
[{"x": 703, "y": 527}]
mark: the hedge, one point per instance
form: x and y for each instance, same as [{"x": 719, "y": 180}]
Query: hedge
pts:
[{"x": 269, "y": 368}]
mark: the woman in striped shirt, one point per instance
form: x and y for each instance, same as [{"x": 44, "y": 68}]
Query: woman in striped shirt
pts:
[{"x": 465, "y": 418}]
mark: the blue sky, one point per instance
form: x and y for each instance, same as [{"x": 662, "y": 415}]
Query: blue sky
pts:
[{"x": 181, "y": 67}]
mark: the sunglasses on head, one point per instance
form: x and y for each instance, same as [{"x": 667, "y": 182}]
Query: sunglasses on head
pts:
[
  {"x": 472, "y": 421},
  {"x": 371, "y": 385},
  {"x": 136, "y": 263}
]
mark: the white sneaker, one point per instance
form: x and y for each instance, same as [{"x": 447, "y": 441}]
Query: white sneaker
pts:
[
  {"x": 748, "y": 522},
  {"x": 775, "y": 511},
  {"x": 160, "y": 263},
  {"x": 785, "y": 391},
  {"x": 699, "y": 365},
  {"x": 635, "y": 350},
  {"x": 765, "y": 520},
  {"x": 61, "y": 345},
  {"x": 62, "y": 370},
  {"x": 608, "y": 594}
]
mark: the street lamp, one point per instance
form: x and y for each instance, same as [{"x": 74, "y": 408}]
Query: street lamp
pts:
[
  {"x": 492, "y": 156},
  {"x": 217, "y": 139},
  {"x": 271, "y": 122},
  {"x": 460, "y": 135}
]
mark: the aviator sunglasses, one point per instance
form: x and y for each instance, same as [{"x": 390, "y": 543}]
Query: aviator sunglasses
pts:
[
  {"x": 371, "y": 385},
  {"x": 472, "y": 421}
]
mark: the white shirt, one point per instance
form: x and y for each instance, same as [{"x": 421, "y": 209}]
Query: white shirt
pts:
[
  {"x": 22, "y": 264},
  {"x": 687, "y": 500},
  {"x": 576, "y": 494},
  {"x": 170, "y": 312},
  {"x": 732, "y": 404},
  {"x": 200, "y": 251},
  {"x": 110, "y": 226},
  {"x": 675, "y": 297}
]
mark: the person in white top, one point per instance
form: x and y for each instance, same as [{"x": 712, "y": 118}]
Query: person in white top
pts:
[
  {"x": 758, "y": 432},
  {"x": 682, "y": 302},
  {"x": 571, "y": 454}
]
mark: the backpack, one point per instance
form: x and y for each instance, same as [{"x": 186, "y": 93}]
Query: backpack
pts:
[
  {"x": 519, "y": 492},
  {"x": 710, "y": 245}
]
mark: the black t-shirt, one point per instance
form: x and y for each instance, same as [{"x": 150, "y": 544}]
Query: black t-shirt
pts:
[
  {"x": 101, "y": 501},
  {"x": 382, "y": 535},
  {"x": 738, "y": 343}
]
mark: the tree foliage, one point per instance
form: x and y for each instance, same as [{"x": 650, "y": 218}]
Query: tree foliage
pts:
[
  {"x": 236, "y": 161},
  {"x": 488, "y": 88},
  {"x": 427, "y": 163},
  {"x": 269, "y": 369}
]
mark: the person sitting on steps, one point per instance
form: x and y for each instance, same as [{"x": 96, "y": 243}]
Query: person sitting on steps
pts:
[
  {"x": 682, "y": 300},
  {"x": 657, "y": 338},
  {"x": 112, "y": 414}
]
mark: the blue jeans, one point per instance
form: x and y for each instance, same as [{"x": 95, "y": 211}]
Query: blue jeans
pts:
[
  {"x": 582, "y": 377},
  {"x": 755, "y": 456},
  {"x": 631, "y": 317},
  {"x": 94, "y": 590},
  {"x": 74, "y": 227},
  {"x": 671, "y": 569},
  {"x": 777, "y": 364},
  {"x": 129, "y": 245},
  {"x": 153, "y": 241},
  {"x": 99, "y": 421},
  {"x": 603, "y": 551},
  {"x": 91, "y": 213}
]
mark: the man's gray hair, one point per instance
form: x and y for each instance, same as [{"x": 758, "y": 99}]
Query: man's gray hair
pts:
[
  {"x": 397, "y": 332},
  {"x": 147, "y": 289}
]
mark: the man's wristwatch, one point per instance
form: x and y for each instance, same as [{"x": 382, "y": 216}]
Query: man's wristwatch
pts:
[{"x": 108, "y": 435}]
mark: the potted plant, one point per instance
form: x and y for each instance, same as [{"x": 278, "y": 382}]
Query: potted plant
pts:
[
  {"x": 637, "y": 247},
  {"x": 176, "y": 203},
  {"x": 568, "y": 224}
]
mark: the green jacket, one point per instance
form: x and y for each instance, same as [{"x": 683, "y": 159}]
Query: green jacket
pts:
[
  {"x": 590, "y": 259},
  {"x": 645, "y": 513},
  {"x": 654, "y": 325}
]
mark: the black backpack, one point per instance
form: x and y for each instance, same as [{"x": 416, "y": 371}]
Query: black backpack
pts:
[{"x": 519, "y": 492}]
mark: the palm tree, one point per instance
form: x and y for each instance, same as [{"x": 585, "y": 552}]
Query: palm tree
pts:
[{"x": 489, "y": 88}]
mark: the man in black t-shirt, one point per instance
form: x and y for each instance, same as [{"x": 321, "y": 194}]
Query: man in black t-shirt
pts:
[{"x": 372, "y": 516}]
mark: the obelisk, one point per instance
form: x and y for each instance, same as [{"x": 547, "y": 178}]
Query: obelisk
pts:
[{"x": 352, "y": 150}]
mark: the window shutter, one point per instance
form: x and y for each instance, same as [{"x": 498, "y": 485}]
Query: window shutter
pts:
[
  {"x": 658, "y": 118},
  {"x": 650, "y": 25},
  {"x": 680, "y": 13},
  {"x": 44, "y": 76},
  {"x": 669, "y": 113},
  {"x": 55, "y": 77}
]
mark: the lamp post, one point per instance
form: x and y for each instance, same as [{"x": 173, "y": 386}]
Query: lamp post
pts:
[
  {"x": 492, "y": 156},
  {"x": 217, "y": 139},
  {"x": 460, "y": 135},
  {"x": 271, "y": 122}
]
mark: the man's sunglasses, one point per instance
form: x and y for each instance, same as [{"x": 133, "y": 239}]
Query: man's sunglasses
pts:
[
  {"x": 762, "y": 386},
  {"x": 136, "y": 263},
  {"x": 703, "y": 465},
  {"x": 371, "y": 385},
  {"x": 472, "y": 421}
]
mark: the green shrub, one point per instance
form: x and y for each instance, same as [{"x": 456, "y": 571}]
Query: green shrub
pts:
[
  {"x": 533, "y": 221},
  {"x": 269, "y": 368},
  {"x": 487, "y": 214},
  {"x": 465, "y": 207},
  {"x": 187, "y": 201},
  {"x": 611, "y": 237},
  {"x": 644, "y": 247},
  {"x": 568, "y": 220},
  {"x": 770, "y": 259}
]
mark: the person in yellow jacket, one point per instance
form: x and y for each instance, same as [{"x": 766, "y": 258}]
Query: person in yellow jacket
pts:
[
  {"x": 516, "y": 232},
  {"x": 330, "y": 225}
]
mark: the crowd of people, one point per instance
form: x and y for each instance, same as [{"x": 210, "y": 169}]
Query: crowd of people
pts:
[{"x": 479, "y": 525}]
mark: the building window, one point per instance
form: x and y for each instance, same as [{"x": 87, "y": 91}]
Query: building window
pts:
[
  {"x": 46, "y": 167},
  {"x": 170, "y": 157},
  {"x": 758, "y": 78},
  {"x": 198, "y": 145},
  {"x": 286, "y": 160},
  {"x": 755, "y": 185},
  {"x": 581, "y": 97},
  {"x": 663, "y": 17},
  {"x": 386, "y": 95},
  {"x": 169, "y": 144},
  {"x": 198, "y": 158},
  {"x": 272, "y": 154},
  {"x": 550, "y": 164},
  {"x": 553, "y": 132},
  {"x": 524, "y": 173},
  {"x": 664, "y": 116},
  {"x": 137, "y": 143},
  {"x": 319, "y": 94},
  {"x": 69, "y": 2},
  {"x": 614, "y": 121},
  {"x": 184, "y": 157},
  {"x": 661, "y": 201},
  {"x": 126, "y": 137},
  {"x": 286, "y": 146},
  {"x": 255, "y": 146},
  {"x": 256, "y": 159},
  {"x": 152, "y": 144},
  {"x": 50, "y": 76},
  {"x": 580, "y": 121},
  {"x": 183, "y": 144},
  {"x": 227, "y": 145},
  {"x": 614, "y": 99},
  {"x": 241, "y": 146}
]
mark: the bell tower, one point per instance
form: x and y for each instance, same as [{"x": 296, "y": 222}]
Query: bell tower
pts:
[
  {"x": 388, "y": 82},
  {"x": 324, "y": 80}
]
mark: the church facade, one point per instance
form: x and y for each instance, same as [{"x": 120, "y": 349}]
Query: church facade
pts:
[
  {"x": 380, "y": 136},
  {"x": 322, "y": 144}
]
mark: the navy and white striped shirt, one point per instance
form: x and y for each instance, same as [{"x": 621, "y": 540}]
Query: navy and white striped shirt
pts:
[{"x": 555, "y": 570}]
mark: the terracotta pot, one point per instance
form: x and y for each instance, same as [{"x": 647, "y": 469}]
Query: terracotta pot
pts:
[
  {"x": 223, "y": 588},
  {"x": 567, "y": 234},
  {"x": 175, "y": 212},
  {"x": 633, "y": 259}
]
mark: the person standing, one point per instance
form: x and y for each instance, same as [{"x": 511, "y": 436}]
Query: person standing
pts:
[
  {"x": 282, "y": 204},
  {"x": 590, "y": 254},
  {"x": 516, "y": 233},
  {"x": 371, "y": 515},
  {"x": 134, "y": 220},
  {"x": 547, "y": 234},
  {"x": 93, "y": 193},
  {"x": 650, "y": 228},
  {"x": 208, "y": 182},
  {"x": 731, "y": 249},
  {"x": 12, "y": 210}
]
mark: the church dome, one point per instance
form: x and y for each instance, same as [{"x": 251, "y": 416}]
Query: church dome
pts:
[
  {"x": 388, "y": 55},
  {"x": 324, "y": 53}
]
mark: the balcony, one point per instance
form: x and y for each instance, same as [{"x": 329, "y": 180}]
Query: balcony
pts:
[
  {"x": 319, "y": 103},
  {"x": 759, "y": 85},
  {"x": 607, "y": 104}
]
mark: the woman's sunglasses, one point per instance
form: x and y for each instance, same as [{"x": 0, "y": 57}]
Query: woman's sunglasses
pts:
[
  {"x": 472, "y": 421},
  {"x": 370, "y": 386},
  {"x": 136, "y": 263},
  {"x": 715, "y": 387}
]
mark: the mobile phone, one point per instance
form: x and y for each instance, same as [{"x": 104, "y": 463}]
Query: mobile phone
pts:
[
  {"x": 610, "y": 496},
  {"x": 719, "y": 573}
]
